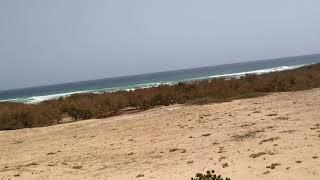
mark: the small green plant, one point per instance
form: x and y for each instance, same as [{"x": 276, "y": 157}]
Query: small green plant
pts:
[{"x": 209, "y": 175}]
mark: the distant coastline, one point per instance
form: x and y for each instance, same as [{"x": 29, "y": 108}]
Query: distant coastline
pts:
[
  {"x": 93, "y": 105},
  {"x": 127, "y": 83}
]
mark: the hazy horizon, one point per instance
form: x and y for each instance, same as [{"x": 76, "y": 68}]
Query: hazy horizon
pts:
[
  {"x": 114, "y": 77},
  {"x": 51, "y": 42}
]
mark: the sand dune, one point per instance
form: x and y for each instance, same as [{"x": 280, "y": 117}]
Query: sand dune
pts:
[{"x": 271, "y": 137}]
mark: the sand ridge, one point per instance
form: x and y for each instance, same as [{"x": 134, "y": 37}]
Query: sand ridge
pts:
[{"x": 272, "y": 137}]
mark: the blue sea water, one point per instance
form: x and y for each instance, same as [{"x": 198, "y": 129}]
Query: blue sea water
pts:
[{"x": 42, "y": 93}]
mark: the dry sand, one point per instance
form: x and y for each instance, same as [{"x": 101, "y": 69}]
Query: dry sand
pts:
[{"x": 176, "y": 142}]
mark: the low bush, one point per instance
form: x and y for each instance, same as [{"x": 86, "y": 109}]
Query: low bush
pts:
[
  {"x": 209, "y": 175},
  {"x": 86, "y": 106}
]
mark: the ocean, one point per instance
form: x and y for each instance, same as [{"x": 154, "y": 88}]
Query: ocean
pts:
[{"x": 42, "y": 93}]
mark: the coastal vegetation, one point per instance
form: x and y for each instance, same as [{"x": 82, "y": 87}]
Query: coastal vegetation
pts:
[
  {"x": 87, "y": 106},
  {"x": 209, "y": 175}
]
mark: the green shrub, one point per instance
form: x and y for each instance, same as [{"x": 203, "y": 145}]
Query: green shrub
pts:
[
  {"x": 86, "y": 106},
  {"x": 209, "y": 175}
]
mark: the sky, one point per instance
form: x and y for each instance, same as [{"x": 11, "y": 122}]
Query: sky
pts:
[{"x": 54, "y": 41}]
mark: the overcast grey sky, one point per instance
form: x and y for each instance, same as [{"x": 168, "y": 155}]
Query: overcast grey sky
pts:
[{"x": 53, "y": 41}]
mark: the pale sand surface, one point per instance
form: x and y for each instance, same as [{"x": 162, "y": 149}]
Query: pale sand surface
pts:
[{"x": 176, "y": 142}]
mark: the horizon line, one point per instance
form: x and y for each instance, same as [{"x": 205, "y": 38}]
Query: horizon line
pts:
[{"x": 158, "y": 72}]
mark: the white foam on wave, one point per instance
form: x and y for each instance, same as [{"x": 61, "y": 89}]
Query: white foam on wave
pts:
[
  {"x": 37, "y": 99},
  {"x": 257, "y": 72},
  {"x": 13, "y": 100}
]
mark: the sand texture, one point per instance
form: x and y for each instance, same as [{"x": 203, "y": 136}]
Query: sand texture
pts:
[{"x": 272, "y": 137}]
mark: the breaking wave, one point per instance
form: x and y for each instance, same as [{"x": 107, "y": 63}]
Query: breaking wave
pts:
[{"x": 37, "y": 99}]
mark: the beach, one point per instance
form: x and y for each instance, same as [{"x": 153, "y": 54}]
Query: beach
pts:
[{"x": 276, "y": 136}]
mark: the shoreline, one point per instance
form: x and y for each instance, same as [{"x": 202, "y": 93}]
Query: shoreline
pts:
[
  {"x": 48, "y": 97},
  {"x": 88, "y": 106}
]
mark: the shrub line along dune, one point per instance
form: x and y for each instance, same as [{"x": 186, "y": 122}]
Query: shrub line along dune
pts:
[{"x": 87, "y": 106}]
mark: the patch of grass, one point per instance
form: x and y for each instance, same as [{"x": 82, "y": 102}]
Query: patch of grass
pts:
[
  {"x": 246, "y": 125},
  {"x": 140, "y": 175},
  {"x": 250, "y": 134},
  {"x": 31, "y": 164},
  {"x": 282, "y": 118},
  {"x": 268, "y": 140},
  {"x": 266, "y": 172},
  {"x": 222, "y": 158},
  {"x": 177, "y": 149},
  {"x": 173, "y": 149},
  {"x": 257, "y": 154},
  {"x": 225, "y": 165},
  {"x": 183, "y": 151},
  {"x": 273, "y": 114},
  {"x": 206, "y": 135},
  {"x": 76, "y": 167},
  {"x": 288, "y": 131},
  {"x": 273, "y": 166}
]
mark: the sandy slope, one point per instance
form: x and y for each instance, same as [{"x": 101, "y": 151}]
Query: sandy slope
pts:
[{"x": 176, "y": 142}]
